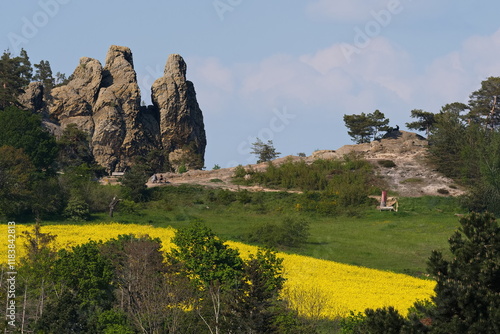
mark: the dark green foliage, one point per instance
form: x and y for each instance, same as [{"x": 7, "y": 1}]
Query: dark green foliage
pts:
[
  {"x": 425, "y": 121},
  {"x": 352, "y": 323},
  {"x": 43, "y": 73},
  {"x": 365, "y": 127},
  {"x": 74, "y": 148},
  {"x": 22, "y": 129},
  {"x": 384, "y": 320},
  {"x": 387, "y": 163},
  {"x": 90, "y": 276},
  {"x": 468, "y": 286},
  {"x": 485, "y": 103},
  {"x": 206, "y": 256},
  {"x": 264, "y": 152},
  {"x": 15, "y": 74},
  {"x": 77, "y": 209},
  {"x": 134, "y": 183},
  {"x": 114, "y": 322},
  {"x": 291, "y": 232},
  {"x": 16, "y": 175}
]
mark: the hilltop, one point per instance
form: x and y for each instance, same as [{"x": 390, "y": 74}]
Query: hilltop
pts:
[{"x": 409, "y": 174}]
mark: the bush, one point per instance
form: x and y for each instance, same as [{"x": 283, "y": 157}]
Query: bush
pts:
[
  {"x": 292, "y": 232},
  {"x": 77, "y": 209},
  {"x": 443, "y": 191},
  {"x": 352, "y": 323},
  {"x": 387, "y": 163},
  {"x": 126, "y": 206}
]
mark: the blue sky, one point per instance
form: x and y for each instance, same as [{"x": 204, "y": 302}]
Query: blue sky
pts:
[{"x": 284, "y": 70}]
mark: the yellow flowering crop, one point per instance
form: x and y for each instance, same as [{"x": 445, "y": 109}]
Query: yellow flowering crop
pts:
[{"x": 316, "y": 288}]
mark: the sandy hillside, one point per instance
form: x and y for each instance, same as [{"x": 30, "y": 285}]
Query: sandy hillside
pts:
[{"x": 411, "y": 175}]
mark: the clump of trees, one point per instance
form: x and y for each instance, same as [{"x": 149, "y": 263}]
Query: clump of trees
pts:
[
  {"x": 364, "y": 128},
  {"x": 128, "y": 285},
  {"x": 464, "y": 144}
]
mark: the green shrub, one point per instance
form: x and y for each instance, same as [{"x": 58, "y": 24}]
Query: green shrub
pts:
[
  {"x": 383, "y": 320},
  {"x": 127, "y": 206},
  {"x": 352, "y": 323},
  {"x": 216, "y": 180},
  {"x": 244, "y": 196},
  {"x": 182, "y": 169},
  {"x": 291, "y": 232},
  {"x": 225, "y": 197},
  {"x": 387, "y": 163},
  {"x": 239, "y": 172},
  {"x": 77, "y": 209},
  {"x": 443, "y": 191}
]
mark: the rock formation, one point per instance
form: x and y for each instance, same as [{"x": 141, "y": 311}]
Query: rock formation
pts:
[
  {"x": 106, "y": 103},
  {"x": 32, "y": 98},
  {"x": 181, "y": 120}
]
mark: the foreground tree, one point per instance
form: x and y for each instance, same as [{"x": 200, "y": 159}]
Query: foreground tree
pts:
[
  {"x": 22, "y": 129},
  {"x": 468, "y": 286}
]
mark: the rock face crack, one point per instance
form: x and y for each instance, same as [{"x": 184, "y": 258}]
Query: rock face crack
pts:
[{"x": 105, "y": 102}]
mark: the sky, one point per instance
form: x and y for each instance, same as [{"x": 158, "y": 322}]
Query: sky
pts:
[{"x": 280, "y": 70}]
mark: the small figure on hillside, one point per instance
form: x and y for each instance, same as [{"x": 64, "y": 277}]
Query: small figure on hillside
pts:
[
  {"x": 161, "y": 178},
  {"x": 153, "y": 178}
]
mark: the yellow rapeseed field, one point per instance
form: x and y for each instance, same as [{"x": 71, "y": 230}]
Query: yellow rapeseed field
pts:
[{"x": 316, "y": 288}]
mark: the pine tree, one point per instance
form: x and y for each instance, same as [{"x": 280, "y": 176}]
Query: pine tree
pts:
[
  {"x": 15, "y": 74},
  {"x": 468, "y": 286},
  {"x": 43, "y": 73}
]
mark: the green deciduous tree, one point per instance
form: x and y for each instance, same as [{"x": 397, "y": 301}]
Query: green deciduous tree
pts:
[
  {"x": 16, "y": 175},
  {"x": 22, "y": 129}
]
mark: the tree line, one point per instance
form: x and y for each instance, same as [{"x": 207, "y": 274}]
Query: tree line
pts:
[
  {"x": 128, "y": 285},
  {"x": 464, "y": 141}
]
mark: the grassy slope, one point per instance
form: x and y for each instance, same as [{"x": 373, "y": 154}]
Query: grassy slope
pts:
[{"x": 395, "y": 241}]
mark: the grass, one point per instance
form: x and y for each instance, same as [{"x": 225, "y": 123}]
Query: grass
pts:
[{"x": 394, "y": 241}]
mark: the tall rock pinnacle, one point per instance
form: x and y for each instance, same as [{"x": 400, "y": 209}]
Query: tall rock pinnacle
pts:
[
  {"x": 105, "y": 102},
  {"x": 182, "y": 129}
]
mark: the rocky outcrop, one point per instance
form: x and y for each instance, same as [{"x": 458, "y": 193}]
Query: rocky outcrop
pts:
[
  {"x": 181, "y": 121},
  {"x": 74, "y": 102},
  {"x": 106, "y": 103},
  {"x": 32, "y": 98}
]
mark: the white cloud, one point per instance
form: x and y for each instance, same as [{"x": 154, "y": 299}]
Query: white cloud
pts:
[{"x": 455, "y": 75}]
